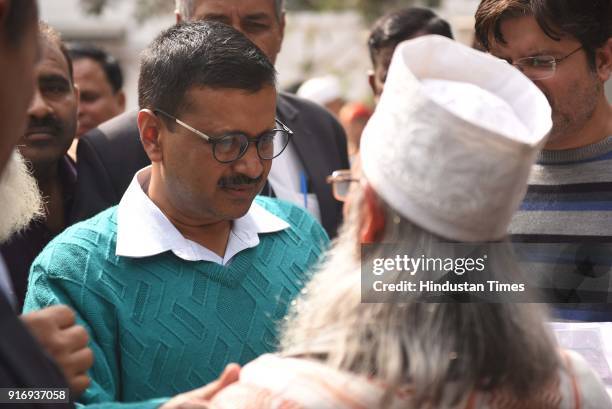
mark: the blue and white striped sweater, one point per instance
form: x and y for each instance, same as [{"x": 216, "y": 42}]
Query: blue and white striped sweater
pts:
[{"x": 569, "y": 202}]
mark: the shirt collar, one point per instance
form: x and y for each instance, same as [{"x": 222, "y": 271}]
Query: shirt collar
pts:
[{"x": 143, "y": 230}]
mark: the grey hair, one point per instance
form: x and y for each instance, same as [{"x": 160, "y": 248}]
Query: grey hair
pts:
[
  {"x": 187, "y": 7},
  {"x": 444, "y": 352}
]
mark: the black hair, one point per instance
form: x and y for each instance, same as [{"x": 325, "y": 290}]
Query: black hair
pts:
[
  {"x": 404, "y": 24},
  {"x": 589, "y": 22},
  {"x": 109, "y": 64},
  {"x": 202, "y": 54}
]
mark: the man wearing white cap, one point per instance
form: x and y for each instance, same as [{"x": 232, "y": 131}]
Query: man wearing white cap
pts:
[
  {"x": 325, "y": 91},
  {"x": 438, "y": 164}
]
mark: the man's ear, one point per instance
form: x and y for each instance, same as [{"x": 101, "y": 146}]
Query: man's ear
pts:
[
  {"x": 121, "y": 100},
  {"x": 281, "y": 29},
  {"x": 77, "y": 94},
  {"x": 283, "y": 23},
  {"x": 603, "y": 61},
  {"x": 373, "y": 217},
  {"x": 372, "y": 81},
  {"x": 150, "y": 126}
]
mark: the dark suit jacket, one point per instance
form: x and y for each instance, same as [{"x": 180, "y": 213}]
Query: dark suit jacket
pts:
[
  {"x": 23, "y": 364},
  {"x": 109, "y": 156}
]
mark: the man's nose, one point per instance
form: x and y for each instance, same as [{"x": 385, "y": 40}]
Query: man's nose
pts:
[
  {"x": 250, "y": 164},
  {"x": 39, "y": 108}
]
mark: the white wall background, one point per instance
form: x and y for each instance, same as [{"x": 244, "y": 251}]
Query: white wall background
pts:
[{"x": 315, "y": 44}]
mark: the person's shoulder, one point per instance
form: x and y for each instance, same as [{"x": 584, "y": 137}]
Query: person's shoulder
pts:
[
  {"x": 115, "y": 130},
  {"x": 121, "y": 124},
  {"x": 107, "y": 159},
  {"x": 588, "y": 382},
  {"x": 294, "y": 215},
  {"x": 82, "y": 247},
  {"x": 301, "y": 222},
  {"x": 290, "y": 102},
  {"x": 88, "y": 234}
]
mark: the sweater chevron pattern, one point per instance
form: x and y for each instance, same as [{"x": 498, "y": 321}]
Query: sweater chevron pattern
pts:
[{"x": 161, "y": 325}]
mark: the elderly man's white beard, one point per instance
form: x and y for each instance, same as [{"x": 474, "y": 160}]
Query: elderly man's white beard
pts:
[{"x": 20, "y": 199}]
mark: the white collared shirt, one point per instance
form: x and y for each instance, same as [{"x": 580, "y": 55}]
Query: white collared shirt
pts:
[
  {"x": 143, "y": 230},
  {"x": 285, "y": 179},
  {"x": 6, "y": 285}
]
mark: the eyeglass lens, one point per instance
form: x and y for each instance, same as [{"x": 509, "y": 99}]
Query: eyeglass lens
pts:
[
  {"x": 269, "y": 145},
  {"x": 537, "y": 67},
  {"x": 341, "y": 189}
]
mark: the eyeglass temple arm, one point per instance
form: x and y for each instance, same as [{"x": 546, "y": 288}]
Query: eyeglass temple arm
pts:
[
  {"x": 192, "y": 129},
  {"x": 202, "y": 134},
  {"x": 285, "y": 127},
  {"x": 184, "y": 125}
]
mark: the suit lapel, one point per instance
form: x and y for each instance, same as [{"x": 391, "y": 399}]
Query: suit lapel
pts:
[
  {"x": 305, "y": 144},
  {"x": 309, "y": 150}
]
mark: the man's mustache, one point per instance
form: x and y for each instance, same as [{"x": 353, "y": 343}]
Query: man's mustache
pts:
[
  {"x": 49, "y": 121},
  {"x": 238, "y": 181}
]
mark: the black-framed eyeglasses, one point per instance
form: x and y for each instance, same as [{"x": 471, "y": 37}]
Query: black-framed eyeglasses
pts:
[
  {"x": 541, "y": 67},
  {"x": 341, "y": 183},
  {"x": 231, "y": 147}
]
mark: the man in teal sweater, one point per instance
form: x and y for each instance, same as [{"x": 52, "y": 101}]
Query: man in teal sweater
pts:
[{"x": 190, "y": 271}]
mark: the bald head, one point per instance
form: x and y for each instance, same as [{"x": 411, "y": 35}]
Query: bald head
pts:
[
  {"x": 261, "y": 21},
  {"x": 186, "y": 8}
]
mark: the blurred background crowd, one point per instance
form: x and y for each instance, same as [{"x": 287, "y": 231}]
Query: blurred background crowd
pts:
[
  {"x": 171, "y": 143},
  {"x": 322, "y": 37}
]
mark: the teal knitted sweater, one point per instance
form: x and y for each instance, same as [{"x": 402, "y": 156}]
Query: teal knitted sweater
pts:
[{"x": 161, "y": 325}]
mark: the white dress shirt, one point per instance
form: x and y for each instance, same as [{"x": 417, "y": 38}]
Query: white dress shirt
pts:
[
  {"x": 285, "y": 179},
  {"x": 143, "y": 230},
  {"x": 6, "y": 284}
]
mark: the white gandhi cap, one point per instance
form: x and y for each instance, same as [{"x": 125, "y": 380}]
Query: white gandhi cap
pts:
[{"x": 453, "y": 139}]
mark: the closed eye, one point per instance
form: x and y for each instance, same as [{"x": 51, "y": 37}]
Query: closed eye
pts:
[
  {"x": 257, "y": 22},
  {"x": 54, "y": 85},
  {"x": 255, "y": 26},
  {"x": 220, "y": 18}
]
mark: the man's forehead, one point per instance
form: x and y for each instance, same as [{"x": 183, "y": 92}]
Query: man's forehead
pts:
[
  {"x": 88, "y": 67},
  {"x": 213, "y": 107},
  {"x": 52, "y": 59},
  {"x": 205, "y": 8},
  {"x": 524, "y": 36},
  {"x": 199, "y": 97}
]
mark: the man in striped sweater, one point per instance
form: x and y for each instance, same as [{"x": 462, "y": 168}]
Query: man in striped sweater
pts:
[{"x": 565, "y": 47}]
